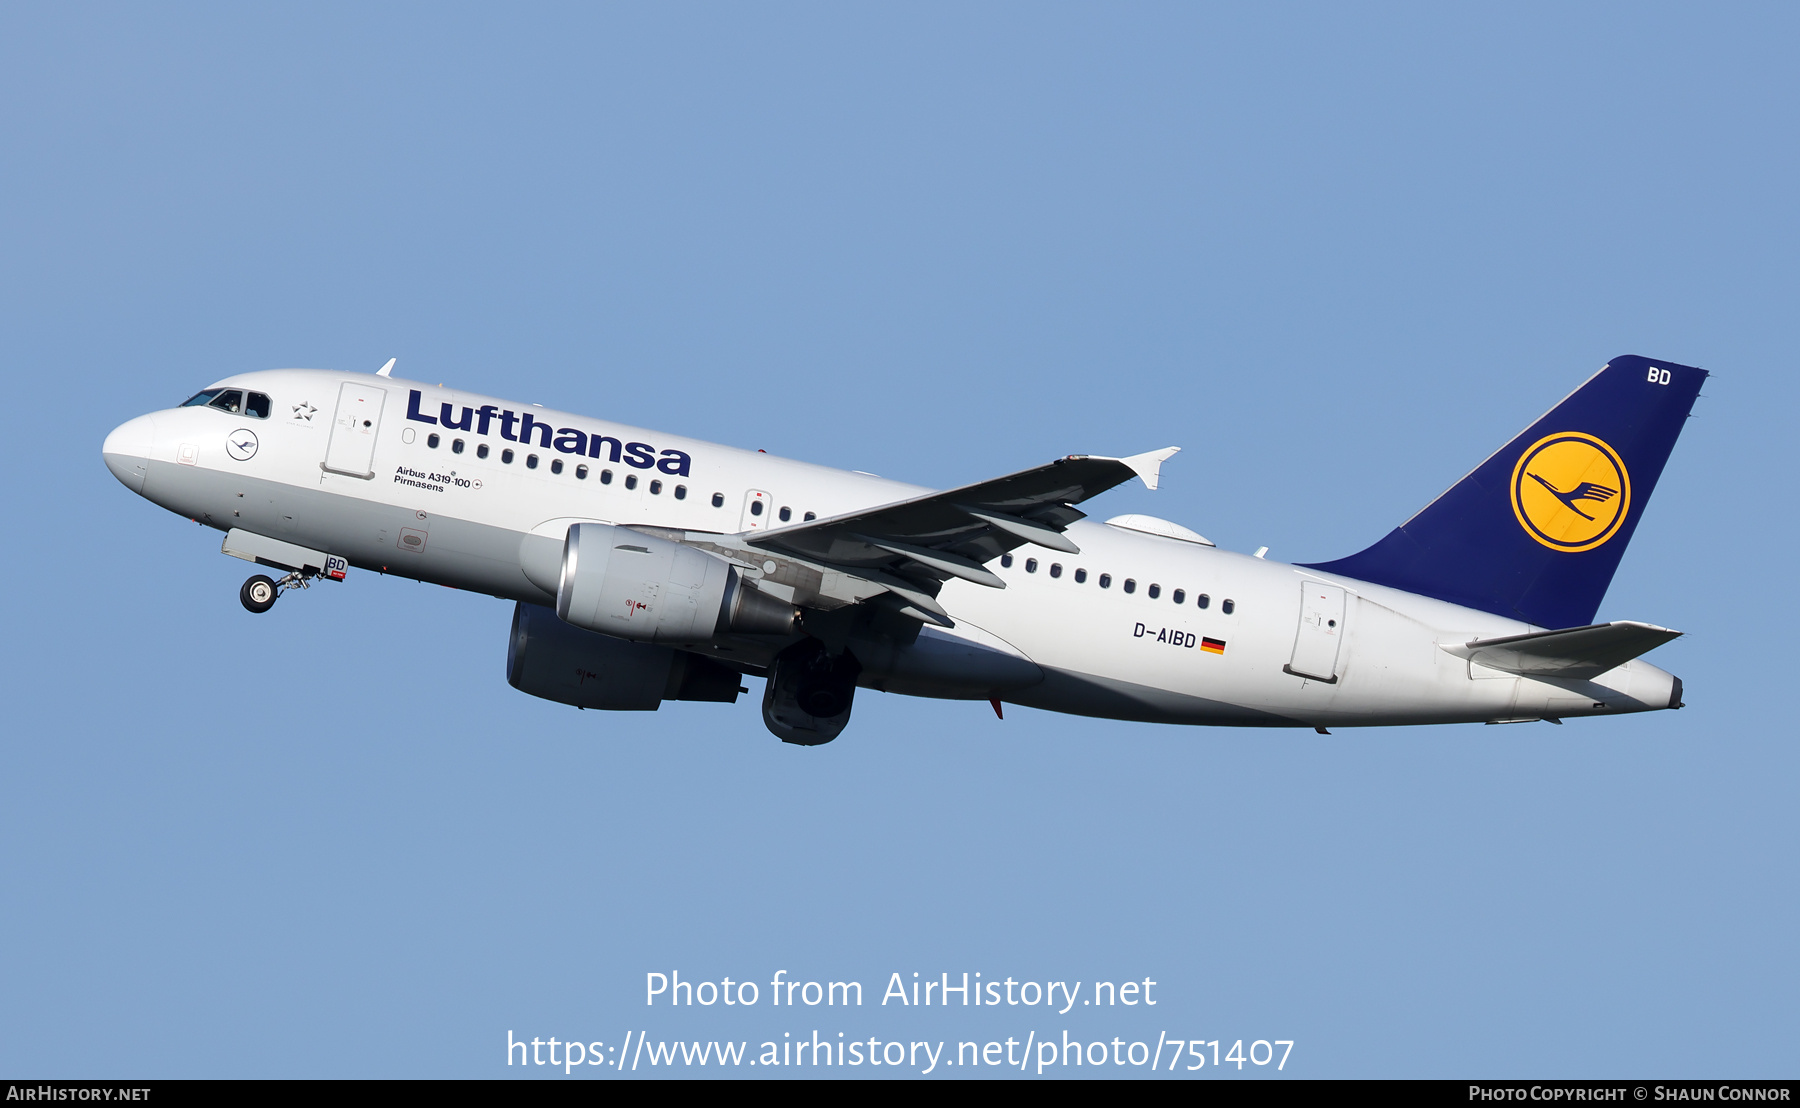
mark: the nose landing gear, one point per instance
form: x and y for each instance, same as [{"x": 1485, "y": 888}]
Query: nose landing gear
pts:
[{"x": 260, "y": 592}]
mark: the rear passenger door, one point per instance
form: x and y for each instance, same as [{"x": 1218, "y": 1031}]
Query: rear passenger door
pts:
[{"x": 1320, "y": 633}]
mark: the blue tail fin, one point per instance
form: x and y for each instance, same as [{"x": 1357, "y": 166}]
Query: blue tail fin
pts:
[{"x": 1535, "y": 532}]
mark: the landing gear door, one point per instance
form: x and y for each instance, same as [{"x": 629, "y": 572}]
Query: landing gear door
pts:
[
  {"x": 1320, "y": 634},
  {"x": 353, "y": 430}
]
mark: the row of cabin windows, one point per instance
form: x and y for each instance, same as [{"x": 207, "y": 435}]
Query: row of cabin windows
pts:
[
  {"x": 756, "y": 508},
  {"x": 1179, "y": 596},
  {"x": 482, "y": 450},
  {"x": 434, "y": 440}
]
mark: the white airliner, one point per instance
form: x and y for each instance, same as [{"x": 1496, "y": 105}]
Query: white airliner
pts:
[{"x": 647, "y": 567}]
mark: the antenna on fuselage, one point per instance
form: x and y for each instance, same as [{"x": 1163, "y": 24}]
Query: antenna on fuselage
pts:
[{"x": 387, "y": 369}]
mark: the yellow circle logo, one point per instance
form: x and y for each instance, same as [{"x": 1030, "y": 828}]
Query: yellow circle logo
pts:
[{"x": 1570, "y": 491}]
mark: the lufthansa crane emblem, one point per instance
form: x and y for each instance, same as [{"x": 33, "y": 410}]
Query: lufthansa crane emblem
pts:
[
  {"x": 241, "y": 444},
  {"x": 1570, "y": 491}
]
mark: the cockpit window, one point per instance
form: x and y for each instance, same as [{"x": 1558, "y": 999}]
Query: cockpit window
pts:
[{"x": 235, "y": 401}]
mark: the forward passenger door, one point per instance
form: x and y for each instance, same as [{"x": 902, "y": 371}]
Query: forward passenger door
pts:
[{"x": 351, "y": 451}]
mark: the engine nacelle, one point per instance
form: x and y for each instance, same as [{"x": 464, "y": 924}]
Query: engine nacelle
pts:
[
  {"x": 548, "y": 658},
  {"x": 630, "y": 585}
]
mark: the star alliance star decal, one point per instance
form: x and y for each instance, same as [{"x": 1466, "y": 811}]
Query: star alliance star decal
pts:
[{"x": 304, "y": 411}]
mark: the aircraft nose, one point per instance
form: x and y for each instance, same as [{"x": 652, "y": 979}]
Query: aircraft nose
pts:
[{"x": 127, "y": 451}]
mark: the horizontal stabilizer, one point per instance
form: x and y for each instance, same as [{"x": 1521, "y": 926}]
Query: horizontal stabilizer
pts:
[{"x": 1575, "y": 652}]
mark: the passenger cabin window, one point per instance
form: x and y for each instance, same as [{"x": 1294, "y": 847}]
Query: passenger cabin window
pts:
[
  {"x": 681, "y": 492},
  {"x": 580, "y": 473},
  {"x": 786, "y": 513},
  {"x": 531, "y": 461},
  {"x": 258, "y": 404},
  {"x": 555, "y": 465},
  {"x": 718, "y": 500},
  {"x": 1228, "y": 607},
  {"x": 631, "y": 480},
  {"x": 1081, "y": 577},
  {"x": 606, "y": 477},
  {"x": 1006, "y": 561},
  {"x": 431, "y": 440},
  {"x": 1154, "y": 591},
  {"x": 1031, "y": 565},
  {"x": 656, "y": 488},
  {"x": 1056, "y": 569},
  {"x": 481, "y": 451},
  {"x": 1130, "y": 585},
  {"x": 1106, "y": 580},
  {"x": 1202, "y": 600},
  {"x": 230, "y": 400},
  {"x": 1178, "y": 596},
  {"x": 809, "y": 517},
  {"x": 506, "y": 456},
  {"x": 456, "y": 446},
  {"x": 756, "y": 507}
]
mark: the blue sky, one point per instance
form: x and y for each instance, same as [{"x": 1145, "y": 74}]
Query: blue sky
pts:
[{"x": 1338, "y": 254}]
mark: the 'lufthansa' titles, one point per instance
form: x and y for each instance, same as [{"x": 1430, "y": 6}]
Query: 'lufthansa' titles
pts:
[{"x": 527, "y": 431}]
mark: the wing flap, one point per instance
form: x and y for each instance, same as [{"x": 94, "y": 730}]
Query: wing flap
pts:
[{"x": 1574, "y": 652}]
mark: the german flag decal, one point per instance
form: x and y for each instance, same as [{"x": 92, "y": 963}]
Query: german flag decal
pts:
[{"x": 1213, "y": 646}]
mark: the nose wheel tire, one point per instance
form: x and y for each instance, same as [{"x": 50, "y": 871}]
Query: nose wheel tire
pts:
[{"x": 258, "y": 594}]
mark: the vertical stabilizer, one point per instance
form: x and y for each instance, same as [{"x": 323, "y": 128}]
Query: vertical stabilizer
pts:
[{"x": 1536, "y": 531}]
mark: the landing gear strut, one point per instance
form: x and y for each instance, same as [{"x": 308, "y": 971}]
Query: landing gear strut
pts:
[{"x": 260, "y": 592}]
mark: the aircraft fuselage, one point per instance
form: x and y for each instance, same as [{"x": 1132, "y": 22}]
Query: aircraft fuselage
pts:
[{"x": 417, "y": 481}]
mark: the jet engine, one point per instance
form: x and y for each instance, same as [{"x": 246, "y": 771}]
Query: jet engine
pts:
[
  {"x": 632, "y": 586},
  {"x": 546, "y": 657}
]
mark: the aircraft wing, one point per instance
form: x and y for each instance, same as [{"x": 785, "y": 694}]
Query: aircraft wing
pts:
[
  {"x": 909, "y": 548},
  {"x": 1575, "y": 652}
]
